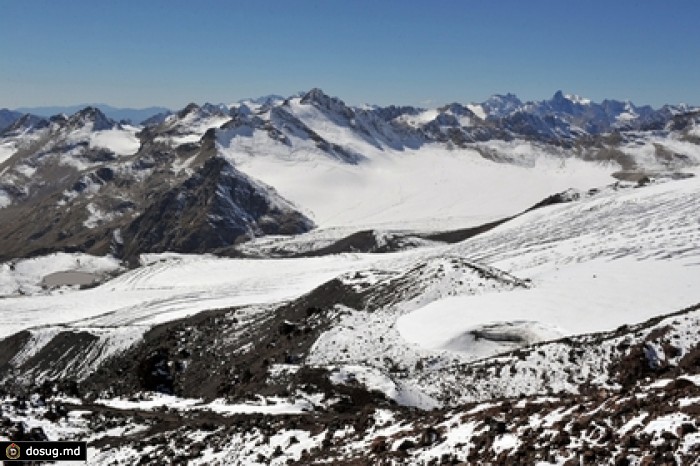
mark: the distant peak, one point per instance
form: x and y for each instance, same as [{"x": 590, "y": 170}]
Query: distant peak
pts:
[
  {"x": 509, "y": 97},
  {"x": 191, "y": 107},
  {"x": 25, "y": 122},
  {"x": 500, "y": 105},
  {"x": 559, "y": 96},
  {"x": 262, "y": 100},
  {"x": 90, "y": 111},
  {"x": 322, "y": 100},
  {"x": 315, "y": 95},
  {"x": 577, "y": 99},
  {"x": 91, "y": 114}
]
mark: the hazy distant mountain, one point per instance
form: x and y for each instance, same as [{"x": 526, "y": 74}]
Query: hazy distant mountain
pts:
[
  {"x": 7, "y": 117},
  {"x": 135, "y": 115}
]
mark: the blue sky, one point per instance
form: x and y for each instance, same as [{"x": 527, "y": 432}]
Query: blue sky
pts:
[{"x": 154, "y": 52}]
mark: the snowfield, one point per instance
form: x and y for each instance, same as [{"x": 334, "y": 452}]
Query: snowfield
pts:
[
  {"x": 618, "y": 257},
  {"x": 25, "y": 276},
  {"x": 580, "y": 298},
  {"x": 120, "y": 141},
  {"x": 430, "y": 188},
  {"x": 166, "y": 288}
]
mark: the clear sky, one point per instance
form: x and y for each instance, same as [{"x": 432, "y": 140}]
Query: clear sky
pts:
[{"x": 155, "y": 52}]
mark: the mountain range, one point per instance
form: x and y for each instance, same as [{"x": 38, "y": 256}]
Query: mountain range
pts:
[
  {"x": 294, "y": 280},
  {"x": 132, "y": 115},
  {"x": 88, "y": 183}
]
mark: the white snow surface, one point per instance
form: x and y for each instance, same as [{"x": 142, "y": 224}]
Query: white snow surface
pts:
[
  {"x": 5, "y": 199},
  {"x": 119, "y": 141},
  {"x": 577, "y": 99},
  {"x": 153, "y": 401},
  {"x": 6, "y": 150},
  {"x": 429, "y": 188},
  {"x": 166, "y": 288},
  {"x": 478, "y": 110},
  {"x": 191, "y": 127},
  {"x": 618, "y": 258},
  {"x": 581, "y": 298},
  {"x": 633, "y": 251}
]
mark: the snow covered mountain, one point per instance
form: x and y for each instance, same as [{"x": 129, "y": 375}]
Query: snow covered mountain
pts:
[
  {"x": 75, "y": 183},
  {"x": 83, "y": 179},
  {"x": 296, "y": 280}
]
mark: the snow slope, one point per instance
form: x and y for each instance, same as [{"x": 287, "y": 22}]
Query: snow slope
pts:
[
  {"x": 173, "y": 286},
  {"x": 6, "y": 151},
  {"x": 617, "y": 258},
  {"x": 581, "y": 298}
]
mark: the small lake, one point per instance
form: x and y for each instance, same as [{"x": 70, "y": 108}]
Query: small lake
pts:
[{"x": 70, "y": 278}]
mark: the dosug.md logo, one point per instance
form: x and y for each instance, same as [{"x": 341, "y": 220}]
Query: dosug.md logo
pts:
[{"x": 13, "y": 451}]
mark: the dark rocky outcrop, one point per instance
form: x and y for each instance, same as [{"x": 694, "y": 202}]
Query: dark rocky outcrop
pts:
[{"x": 216, "y": 207}]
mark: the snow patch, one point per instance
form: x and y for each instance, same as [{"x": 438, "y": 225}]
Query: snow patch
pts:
[
  {"x": 374, "y": 379},
  {"x": 119, "y": 141},
  {"x": 5, "y": 199},
  {"x": 478, "y": 110}
]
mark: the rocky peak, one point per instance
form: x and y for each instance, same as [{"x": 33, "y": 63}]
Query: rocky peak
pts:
[
  {"x": 190, "y": 108},
  {"x": 215, "y": 109},
  {"x": 613, "y": 107},
  {"x": 315, "y": 95},
  {"x": 156, "y": 119},
  {"x": 457, "y": 109},
  {"x": 239, "y": 111},
  {"x": 559, "y": 96},
  {"x": 393, "y": 111},
  {"x": 561, "y": 103},
  {"x": 324, "y": 102},
  {"x": 499, "y": 105},
  {"x": 59, "y": 119},
  {"x": 90, "y": 115}
]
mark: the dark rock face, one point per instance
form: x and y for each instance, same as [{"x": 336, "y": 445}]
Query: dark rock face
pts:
[
  {"x": 324, "y": 102},
  {"x": 154, "y": 373},
  {"x": 91, "y": 114},
  {"x": 217, "y": 207}
]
